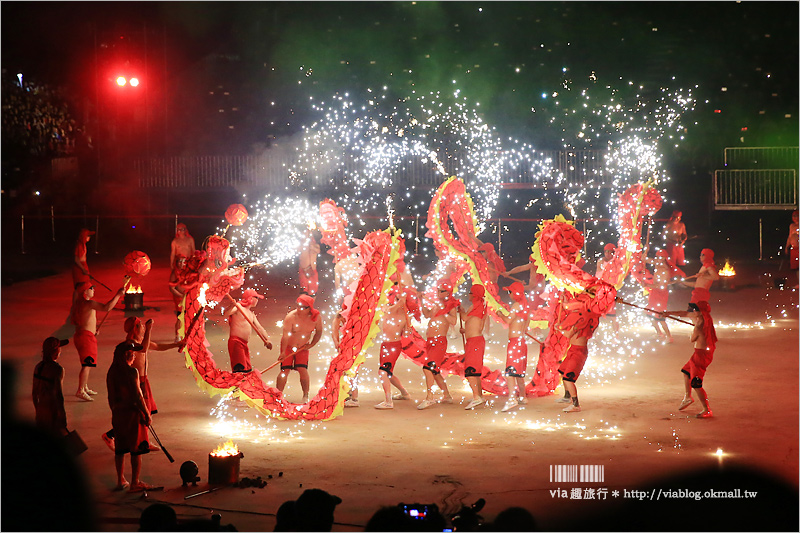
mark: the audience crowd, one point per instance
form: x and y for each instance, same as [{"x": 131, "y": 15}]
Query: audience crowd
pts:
[{"x": 36, "y": 119}]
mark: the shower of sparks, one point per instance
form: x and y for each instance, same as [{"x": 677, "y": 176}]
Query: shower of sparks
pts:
[
  {"x": 276, "y": 231},
  {"x": 365, "y": 148}
]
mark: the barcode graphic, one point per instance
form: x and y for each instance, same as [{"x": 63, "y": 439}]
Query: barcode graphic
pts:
[{"x": 577, "y": 473}]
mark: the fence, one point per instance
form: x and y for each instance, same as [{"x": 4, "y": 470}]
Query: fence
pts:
[
  {"x": 755, "y": 189},
  {"x": 576, "y": 168},
  {"x": 772, "y": 157}
]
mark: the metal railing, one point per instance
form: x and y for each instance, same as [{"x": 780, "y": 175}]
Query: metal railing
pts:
[
  {"x": 769, "y": 157},
  {"x": 576, "y": 168},
  {"x": 755, "y": 189}
]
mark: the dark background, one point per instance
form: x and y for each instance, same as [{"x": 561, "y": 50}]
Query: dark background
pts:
[{"x": 261, "y": 62}]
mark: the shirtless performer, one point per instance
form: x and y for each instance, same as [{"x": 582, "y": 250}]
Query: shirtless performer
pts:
[
  {"x": 309, "y": 278},
  {"x": 84, "y": 316},
  {"x": 517, "y": 350},
  {"x": 394, "y": 325},
  {"x": 704, "y": 338},
  {"x": 298, "y": 327},
  {"x": 675, "y": 235},
  {"x": 536, "y": 282},
  {"x": 441, "y": 317},
  {"x": 344, "y": 273},
  {"x": 242, "y": 320},
  {"x": 475, "y": 346},
  {"x": 80, "y": 268},
  {"x": 445, "y": 271},
  {"x": 707, "y": 275},
  {"x": 664, "y": 271},
  {"x": 181, "y": 249},
  {"x": 608, "y": 270},
  {"x": 577, "y": 322},
  {"x": 130, "y": 417},
  {"x": 138, "y": 333}
]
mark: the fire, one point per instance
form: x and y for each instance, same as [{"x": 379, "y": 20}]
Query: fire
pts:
[
  {"x": 229, "y": 449},
  {"x": 134, "y": 289},
  {"x": 201, "y": 297},
  {"x": 727, "y": 270}
]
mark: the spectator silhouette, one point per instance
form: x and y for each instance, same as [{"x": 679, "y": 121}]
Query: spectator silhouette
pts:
[
  {"x": 158, "y": 517},
  {"x": 314, "y": 510},
  {"x": 43, "y": 486},
  {"x": 394, "y": 518},
  {"x": 514, "y": 519},
  {"x": 285, "y": 519}
]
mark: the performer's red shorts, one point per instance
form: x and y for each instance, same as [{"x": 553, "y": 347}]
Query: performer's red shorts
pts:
[
  {"x": 573, "y": 363},
  {"x": 298, "y": 360},
  {"x": 516, "y": 357},
  {"x": 240, "y": 355},
  {"x": 675, "y": 253},
  {"x": 309, "y": 282},
  {"x": 794, "y": 253},
  {"x": 658, "y": 300},
  {"x": 147, "y": 392},
  {"x": 390, "y": 351},
  {"x": 474, "y": 349},
  {"x": 130, "y": 433},
  {"x": 86, "y": 344},
  {"x": 435, "y": 350},
  {"x": 696, "y": 367},
  {"x": 699, "y": 295}
]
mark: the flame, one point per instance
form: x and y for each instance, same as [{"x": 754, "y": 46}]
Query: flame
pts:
[
  {"x": 727, "y": 270},
  {"x": 134, "y": 289},
  {"x": 229, "y": 449},
  {"x": 311, "y": 225},
  {"x": 201, "y": 297}
]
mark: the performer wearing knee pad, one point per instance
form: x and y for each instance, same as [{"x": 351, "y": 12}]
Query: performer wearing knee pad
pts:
[
  {"x": 302, "y": 329},
  {"x": 441, "y": 317},
  {"x": 474, "y": 321},
  {"x": 704, "y": 337}
]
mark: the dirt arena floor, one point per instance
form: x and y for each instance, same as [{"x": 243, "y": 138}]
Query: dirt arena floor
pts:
[{"x": 446, "y": 455}]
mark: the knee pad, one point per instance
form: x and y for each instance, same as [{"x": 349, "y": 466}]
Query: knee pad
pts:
[
  {"x": 697, "y": 383},
  {"x": 431, "y": 365},
  {"x": 386, "y": 367}
]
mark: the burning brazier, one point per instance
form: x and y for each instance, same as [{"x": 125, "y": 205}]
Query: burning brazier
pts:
[{"x": 223, "y": 464}]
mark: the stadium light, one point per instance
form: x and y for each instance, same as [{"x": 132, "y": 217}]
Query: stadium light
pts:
[
  {"x": 121, "y": 81},
  {"x": 134, "y": 82}
]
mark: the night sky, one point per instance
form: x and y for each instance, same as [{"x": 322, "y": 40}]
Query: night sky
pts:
[{"x": 271, "y": 57}]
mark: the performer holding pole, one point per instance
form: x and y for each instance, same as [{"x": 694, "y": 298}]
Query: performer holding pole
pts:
[
  {"x": 664, "y": 271},
  {"x": 242, "y": 322},
  {"x": 475, "y": 345},
  {"x": 704, "y": 337},
  {"x": 517, "y": 350},
  {"x": 84, "y": 316},
  {"x": 394, "y": 324},
  {"x": 442, "y": 316},
  {"x": 297, "y": 340},
  {"x": 707, "y": 275}
]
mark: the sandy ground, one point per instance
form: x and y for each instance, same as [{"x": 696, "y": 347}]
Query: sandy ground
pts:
[{"x": 445, "y": 455}]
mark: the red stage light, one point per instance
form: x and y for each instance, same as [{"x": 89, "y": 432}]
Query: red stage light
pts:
[
  {"x": 134, "y": 82},
  {"x": 121, "y": 81}
]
